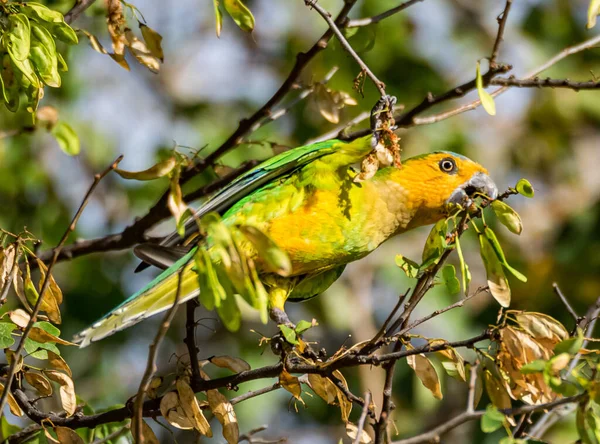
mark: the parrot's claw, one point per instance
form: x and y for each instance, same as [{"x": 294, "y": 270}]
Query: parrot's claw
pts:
[{"x": 382, "y": 115}]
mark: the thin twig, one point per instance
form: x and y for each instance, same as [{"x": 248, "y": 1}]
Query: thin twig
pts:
[
  {"x": 151, "y": 364},
  {"x": 190, "y": 337},
  {"x": 78, "y": 9},
  {"x": 379, "y": 17},
  {"x": 333, "y": 26},
  {"x": 472, "y": 388},
  {"x": 114, "y": 435},
  {"x": 254, "y": 393},
  {"x": 363, "y": 417},
  {"x": 502, "y": 19},
  {"x": 565, "y": 302},
  {"x": 536, "y": 82},
  {"x": 46, "y": 283}
]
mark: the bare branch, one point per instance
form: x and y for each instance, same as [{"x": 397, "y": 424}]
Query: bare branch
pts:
[
  {"x": 78, "y": 9},
  {"x": 333, "y": 26},
  {"x": 379, "y": 17},
  {"x": 502, "y": 19},
  {"x": 536, "y": 82},
  {"x": 565, "y": 302},
  {"x": 363, "y": 418}
]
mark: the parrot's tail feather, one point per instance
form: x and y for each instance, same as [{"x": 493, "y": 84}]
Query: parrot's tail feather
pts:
[{"x": 159, "y": 295}]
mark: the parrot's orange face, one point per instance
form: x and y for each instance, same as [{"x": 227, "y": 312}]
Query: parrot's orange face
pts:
[{"x": 438, "y": 179}]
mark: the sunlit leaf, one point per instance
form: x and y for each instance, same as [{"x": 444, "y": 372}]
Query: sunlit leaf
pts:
[
  {"x": 67, "y": 390},
  {"x": 410, "y": 268},
  {"x": 39, "y": 382},
  {"x": 236, "y": 365},
  {"x": 492, "y": 420},
  {"x": 141, "y": 52},
  {"x": 525, "y": 188},
  {"x": 496, "y": 391},
  {"x": 172, "y": 411},
  {"x": 223, "y": 410},
  {"x": 56, "y": 362},
  {"x": 190, "y": 406},
  {"x": 496, "y": 279},
  {"x": 290, "y": 383},
  {"x": 323, "y": 387},
  {"x": 289, "y": 334},
  {"x": 218, "y": 17},
  {"x": 240, "y": 14},
  {"x": 303, "y": 325},
  {"x": 452, "y": 361},
  {"x": 541, "y": 326},
  {"x": 161, "y": 169},
  {"x": 507, "y": 216},
  {"x": 153, "y": 41},
  {"x": 487, "y": 101},
  {"x": 18, "y": 36},
  {"x": 493, "y": 240},
  {"x": 592, "y": 14},
  {"x": 67, "y": 138},
  {"x": 426, "y": 373},
  {"x": 571, "y": 345},
  {"x": 343, "y": 401},
  {"x": 352, "y": 432},
  {"x": 6, "y": 338},
  {"x": 66, "y": 435}
]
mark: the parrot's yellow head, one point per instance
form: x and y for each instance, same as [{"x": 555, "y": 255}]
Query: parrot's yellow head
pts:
[{"x": 435, "y": 180}]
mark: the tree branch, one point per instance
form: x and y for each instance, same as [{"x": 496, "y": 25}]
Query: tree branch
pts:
[
  {"x": 379, "y": 17},
  {"x": 536, "y": 82},
  {"x": 502, "y": 19},
  {"x": 78, "y": 9}
]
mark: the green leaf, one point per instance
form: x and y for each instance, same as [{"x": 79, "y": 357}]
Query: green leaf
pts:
[
  {"x": 289, "y": 334},
  {"x": 153, "y": 41},
  {"x": 464, "y": 268},
  {"x": 492, "y": 420},
  {"x": 525, "y": 188},
  {"x": 450, "y": 279},
  {"x": 275, "y": 259},
  {"x": 42, "y": 35},
  {"x": 571, "y": 345},
  {"x": 48, "y": 327},
  {"x": 240, "y": 14},
  {"x": 63, "y": 32},
  {"x": 67, "y": 138},
  {"x": 496, "y": 279},
  {"x": 435, "y": 244},
  {"x": 409, "y": 267},
  {"x": 7, "y": 429},
  {"x": 487, "y": 101},
  {"x": 6, "y": 338},
  {"x": 507, "y": 216},
  {"x": 302, "y": 326},
  {"x": 45, "y": 64},
  {"x": 491, "y": 236},
  {"x": 218, "y": 17},
  {"x": 593, "y": 12},
  {"x": 26, "y": 67},
  {"x": 229, "y": 312},
  {"x": 536, "y": 366},
  {"x": 18, "y": 36},
  {"x": 34, "y": 9},
  {"x": 38, "y": 349}
]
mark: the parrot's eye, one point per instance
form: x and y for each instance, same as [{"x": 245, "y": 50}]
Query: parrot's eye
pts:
[{"x": 448, "y": 165}]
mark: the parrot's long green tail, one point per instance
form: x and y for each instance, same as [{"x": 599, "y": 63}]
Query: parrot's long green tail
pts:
[{"x": 159, "y": 295}]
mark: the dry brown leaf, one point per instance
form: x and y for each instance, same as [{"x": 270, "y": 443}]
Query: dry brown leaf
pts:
[
  {"x": 171, "y": 409},
  {"x": 19, "y": 287},
  {"x": 153, "y": 41},
  {"x": 12, "y": 403},
  {"x": 57, "y": 362},
  {"x": 496, "y": 391},
  {"x": 426, "y": 373},
  {"x": 156, "y": 171},
  {"x": 141, "y": 52},
  {"x": 323, "y": 387},
  {"x": 290, "y": 383},
  {"x": 148, "y": 435},
  {"x": 67, "y": 390},
  {"x": 53, "y": 289},
  {"x": 155, "y": 384},
  {"x": 345, "y": 403},
  {"x": 352, "y": 432},
  {"x": 541, "y": 326},
  {"x": 7, "y": 261},
  {"x": 19, "y": 317},
  {"x": 39, "y": 382},
  {"x": 236, "y": 365},
  {"x": 190, "y": 406},
  {"x": 49, "y": 437},
  {"x": 66, "y": 435},
  {"x": 40, "y": 335},
  {"x": 223, "y": 410},
  {"x": 48, "y": 115}
]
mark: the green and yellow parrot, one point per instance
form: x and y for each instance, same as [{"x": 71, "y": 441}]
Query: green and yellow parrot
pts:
[{"x": 308, "y": 202}]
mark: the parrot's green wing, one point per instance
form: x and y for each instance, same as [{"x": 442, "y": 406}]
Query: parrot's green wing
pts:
[{"x": 159, "y": 294}]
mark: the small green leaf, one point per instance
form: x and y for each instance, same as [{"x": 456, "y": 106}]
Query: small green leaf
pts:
[
  {"x": 6, "y": 339},
  {"x": 218, "y": 17},
  {"x": 48, "y": 327},
  {"x": 45, "y": 64},
  {"x": 435, "y": 244},
  {"x": 536, "y": 366},
  {"x": 496, "y": 279},
  {"x": 450, "y": 279},
  {"x": 464, "y": 268},
  {"x": 593, "y": 12},
  {"x": 230, "y": 314},
  {"x": 486, "y": 99},
  {"x": 571, "y": 345},
  {"x": 153, "y": 41},
  {"x": 67, "y": 138},
  {"x": 18, "y": 36},
  {"x": 492, "y": 420},
  {"x": 289, "y": 334},
  {"x": 37, "y": 10},
  {"x": 409, "y": 267},
  {"x": 525, "y": 188},
  {"x": 302, "y": 326},
  {"x": 7, "y": 429},
  {"x": 240, "y": 14},
  {"x": 491, "y": 236},
  {"x": 507, "y": 216}
]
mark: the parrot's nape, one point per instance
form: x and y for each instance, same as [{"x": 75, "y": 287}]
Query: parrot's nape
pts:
[{"x": 308, "y": 202}]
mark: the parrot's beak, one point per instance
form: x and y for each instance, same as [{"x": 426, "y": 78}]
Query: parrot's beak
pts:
[{"x": 478, "y": 183}]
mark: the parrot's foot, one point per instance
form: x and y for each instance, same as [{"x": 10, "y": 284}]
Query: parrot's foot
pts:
[{"x": 382, "y": 116}]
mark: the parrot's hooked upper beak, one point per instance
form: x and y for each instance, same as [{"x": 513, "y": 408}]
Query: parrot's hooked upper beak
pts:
[{"x": 478, "y": 183}]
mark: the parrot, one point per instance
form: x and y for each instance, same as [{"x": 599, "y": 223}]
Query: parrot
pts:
[{"x": 308, "y": 201}]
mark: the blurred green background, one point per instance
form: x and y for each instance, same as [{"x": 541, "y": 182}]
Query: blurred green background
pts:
[{"x": 551, "y": 137}]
